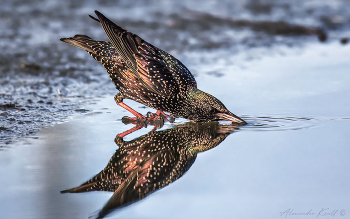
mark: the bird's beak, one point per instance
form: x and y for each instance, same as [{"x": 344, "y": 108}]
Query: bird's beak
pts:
[{"x": 230, "y": 117}]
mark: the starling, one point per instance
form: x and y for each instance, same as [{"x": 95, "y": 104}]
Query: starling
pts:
[
  {"x": 150, "y": 76},
  {"x": 152, "y": 161}
]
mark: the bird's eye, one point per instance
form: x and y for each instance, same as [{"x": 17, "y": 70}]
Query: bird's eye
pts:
[{"x": 213, "y": 111}]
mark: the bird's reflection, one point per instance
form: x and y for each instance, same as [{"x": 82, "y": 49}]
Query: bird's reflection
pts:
[{"x": 152, "y": 161}]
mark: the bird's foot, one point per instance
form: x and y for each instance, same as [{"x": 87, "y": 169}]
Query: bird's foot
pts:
[
  {"x": 155, "y": 119},
  {"x": 160, "y": 115},
  {"x": 134, "y": 120},
  {"x": 143, "y": 122},
  {"x": 140, "y": 123}
]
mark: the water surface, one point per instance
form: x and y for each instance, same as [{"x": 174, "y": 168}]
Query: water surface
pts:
[{"x": 292, "y": 90}]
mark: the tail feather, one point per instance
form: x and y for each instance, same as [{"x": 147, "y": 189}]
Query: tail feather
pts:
[
  {"x": 81, "y": 41},
  {"x": 97, "y": 49},
  {"x": 94, "y": 18},
  {"x": 82, "y": 188}
]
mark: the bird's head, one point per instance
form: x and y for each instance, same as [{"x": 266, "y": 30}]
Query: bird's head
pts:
[{"x": 205, "y": 107}]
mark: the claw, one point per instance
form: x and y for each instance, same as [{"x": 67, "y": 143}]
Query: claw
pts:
[
  {"x": 135, "y": 120},
  {"x": 160, "y": 115}
]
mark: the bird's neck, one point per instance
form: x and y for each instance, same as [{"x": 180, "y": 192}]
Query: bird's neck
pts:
[{"x": 195, "y": 93}]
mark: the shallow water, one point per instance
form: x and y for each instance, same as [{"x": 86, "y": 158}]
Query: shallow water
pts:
[{"x": 292, "y": 157}]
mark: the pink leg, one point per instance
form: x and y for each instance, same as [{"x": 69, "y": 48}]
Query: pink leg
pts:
[
  {"x": 122, "y": 135},
  {"x": 159, "y": 115},
  {"x": 159, "y": 112},
  {"x": 128, "y": 108}
]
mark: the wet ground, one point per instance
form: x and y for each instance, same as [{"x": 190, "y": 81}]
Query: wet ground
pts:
[{"x": 264, "y": 60}]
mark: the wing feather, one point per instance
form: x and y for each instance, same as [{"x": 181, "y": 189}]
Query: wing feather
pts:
[{"x": 157, "y": 70}]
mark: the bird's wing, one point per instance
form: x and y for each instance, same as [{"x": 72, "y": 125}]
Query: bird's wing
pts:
[
  {"x": 157, "y": 70},
  {"x": 124, "y": 41}
]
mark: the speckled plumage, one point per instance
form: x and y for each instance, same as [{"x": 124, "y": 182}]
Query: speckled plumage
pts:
[
  {"x": 150, "y": 76},
  {"x": 152, "y": 161}
]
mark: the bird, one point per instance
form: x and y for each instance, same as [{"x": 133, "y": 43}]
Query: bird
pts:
[
  {"x": 152, "y": 161},
  {"x": 150, "y": 76}
]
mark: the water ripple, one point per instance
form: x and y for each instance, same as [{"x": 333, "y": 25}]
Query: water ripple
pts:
[{"x": 277, "y": 123}]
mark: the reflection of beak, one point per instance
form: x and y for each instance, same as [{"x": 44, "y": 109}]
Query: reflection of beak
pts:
[{"x": 230, "y": 117}]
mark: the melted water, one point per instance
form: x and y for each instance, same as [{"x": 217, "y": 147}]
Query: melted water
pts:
[{"x": 292, "y": 90}]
